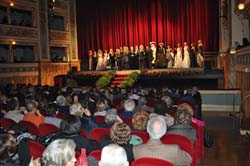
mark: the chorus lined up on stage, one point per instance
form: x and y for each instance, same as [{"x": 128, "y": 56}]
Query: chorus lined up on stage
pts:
[{"x": 148, "y": 57}]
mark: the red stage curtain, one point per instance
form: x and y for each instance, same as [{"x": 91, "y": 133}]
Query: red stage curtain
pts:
[{"x": 108, "y": 24}]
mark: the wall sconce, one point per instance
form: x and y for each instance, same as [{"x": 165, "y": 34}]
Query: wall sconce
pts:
[
  {"x": 12, "y": 4},
  {"x": 232, "y": 51},
  {"x": 241, "y": 6},
  {"x": 13, "y": 42}
]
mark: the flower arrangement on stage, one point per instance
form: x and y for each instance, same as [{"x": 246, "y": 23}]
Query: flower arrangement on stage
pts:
[
  {"x": 130, "y": 80},
  {"x": 105, "y": 79}
]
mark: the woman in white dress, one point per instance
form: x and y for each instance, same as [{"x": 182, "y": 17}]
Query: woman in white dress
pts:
[
  {"x": 186, "y": 59},
  {"x": 99, "y": 65},
  {"x": 178, "y": 57}
]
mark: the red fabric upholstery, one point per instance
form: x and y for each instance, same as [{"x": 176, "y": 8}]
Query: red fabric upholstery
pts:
[
  {"x": 96, "y": 154},
  {"x": 144, "y": 136},
  {"x": 46, "y": 129},
  {"x": 184, "y": 143},
  {"x": 83, "y": 133},
  {"x": 199, "y": 126},
  {"x": 99, "y": 119},
  {"x": 6, "y": 122},
  {"x": 60, "y": 115},
  {"x": 116, "y": 102},
  {"x": 98, "y": 133},
  {"x": 36, "y": 149},
  {"x": 31, "y": 127},
  {"x": 147, "y": 161},
  {"x": 127, "y": 120}
]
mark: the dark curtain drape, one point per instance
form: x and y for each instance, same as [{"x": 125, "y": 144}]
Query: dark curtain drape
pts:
[{"x": 108, "y": 24}]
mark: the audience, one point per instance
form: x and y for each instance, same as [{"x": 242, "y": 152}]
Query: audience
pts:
[
  {"x": 8, "y": 150},
  {"x": 13, "y": 110},
  {"x": 70, "y": 129},
  {"x": 182, "y": 126},
  {"x": 156, "y": 128},
  {"x": 120, "y": 134},
  {"x": 33, "y": 114},
  {"x": 113, "y": 155},
  {"x": 52, "y": 99},
  {"x": 60, "y": 152},
  {"x": 140, "y": 120}
]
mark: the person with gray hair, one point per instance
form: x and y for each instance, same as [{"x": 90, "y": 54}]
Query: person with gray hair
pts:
[
  {"x": 154, "y": 148},
  {"x": 113, "y": 155},
  {"x": 34, "y": 116},
  {"x": 60, "y": 152}
]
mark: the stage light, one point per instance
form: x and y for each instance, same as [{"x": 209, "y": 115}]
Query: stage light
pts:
[
  {"x": 13, "y": 42},
  {"x": 241, "y": 6},
  {"x": 12, "y": 4}
]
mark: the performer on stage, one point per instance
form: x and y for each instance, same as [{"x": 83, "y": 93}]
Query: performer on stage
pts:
[
  {"x": 178, "y": 57},
  {"x": 161, "y": 61},
  {"x": 200, "y": 55},
  {"x": 141, "y": 57},
  {"x": 149, "y": 57},
  {"x": 186, "y": 59},
  {"x": 193, "y": 58},
  {"x": 105, "y": 60},
  {"x": 112, "y": 58},
  {"x": 136, "y": 57},
  {"x": 118, "y": 59},
  {"x": 90, "y": 59},
  {"x": 94, "y": 61},
  {"x": 170, "y": 56},
  {"x": 153, "y": 48},
  {"x": 132, "y": 58},
  {"x": 99, "y": 65},
  {"x": 125, "y": 55}
]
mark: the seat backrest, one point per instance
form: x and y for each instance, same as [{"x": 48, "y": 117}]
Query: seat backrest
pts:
[
  {"x": 83, "y": 133},
  {"x": 127, "y": 120},
  {"x": 96, "y": 154},
  {"x": 98, "y": 133},
  {"x": 36, "y": 149},
  {"x": 30, "y": 126},
  {"x": 99, "y": 119},
  {"x": 143, "y": 135},
  {"x": 46, "y": 129},
  {"x": 181, "y": 140},
  {"x": 6, "y": 123},
  {"x": 148, "y": 161}
]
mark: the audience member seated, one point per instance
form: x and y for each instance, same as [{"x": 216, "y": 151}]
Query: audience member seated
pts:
[
  {"x": 120, "y": 134},
  {"x": 142, "y": 105},
  {"x": 110, "y": 118},
  {"x": 70, "y": 129},
  {"x": 113, "y": 155},
  {"x": 13, "y": 110},
  {"x": 129, "y": 106},
  {"x": 182, "y": 126},
  {"x": 33, "y": 114},
  {"x": 50, "y": 117},
  {"x": 140, "y": 120},
  {"x": 101, "y": 107},
  {"x": 156, "y": 128},
  {"x": 60, "y": 152},
  {"x": 8, "y": 150}
]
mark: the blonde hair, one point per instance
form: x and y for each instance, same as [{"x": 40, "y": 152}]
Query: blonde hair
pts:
[{"x": 140, "y": 120}]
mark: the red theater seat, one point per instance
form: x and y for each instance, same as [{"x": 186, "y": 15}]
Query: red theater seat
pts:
[{"x": 147, "y": 161}]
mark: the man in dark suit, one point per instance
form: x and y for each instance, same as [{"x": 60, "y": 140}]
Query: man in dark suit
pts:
[{"x": 156, "y": 128}]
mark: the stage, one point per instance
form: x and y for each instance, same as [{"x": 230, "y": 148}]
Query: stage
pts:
[{"x": 172, "y": 78}]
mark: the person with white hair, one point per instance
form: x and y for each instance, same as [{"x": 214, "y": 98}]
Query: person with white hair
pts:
[
  {"x": 154, "y": 148},
  {"x": 113, "y": 155},
  {"x": 60, "y": 152}
]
